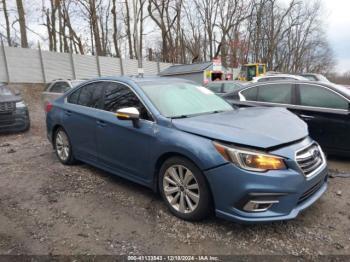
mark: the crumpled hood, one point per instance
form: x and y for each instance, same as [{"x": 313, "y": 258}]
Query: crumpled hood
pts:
[{"x": 261, "y": 127}]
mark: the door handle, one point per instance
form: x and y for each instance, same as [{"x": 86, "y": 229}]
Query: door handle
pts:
[
  {"x": 101, "y": 123},
  {"x": 307, "y": 117},
  {"x": 68, "y": 113}
]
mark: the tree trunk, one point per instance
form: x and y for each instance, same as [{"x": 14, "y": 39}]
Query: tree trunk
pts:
[
  {"x": 95, "y": 28},
  {"x": 22, "y": 24},
  {"x": 128, "y": 30},
  {"x": 115, "y": 29},
  {"x": 8, "y": 32}
]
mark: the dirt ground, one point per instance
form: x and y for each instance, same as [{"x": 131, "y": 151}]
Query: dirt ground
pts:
[{"x": 48, "y": 208}]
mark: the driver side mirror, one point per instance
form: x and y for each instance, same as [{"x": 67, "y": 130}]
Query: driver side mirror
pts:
[{"x": 129, "y": 113}]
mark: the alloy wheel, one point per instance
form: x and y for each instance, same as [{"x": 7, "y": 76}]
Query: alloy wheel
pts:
[
  {"x": 62, "y": 145},
  {"x": 181, "y": 189}
]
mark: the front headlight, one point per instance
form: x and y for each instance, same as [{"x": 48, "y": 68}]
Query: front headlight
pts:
[
  {"x": 20, "y": 104},
  {"x": 250, "y": 160}
]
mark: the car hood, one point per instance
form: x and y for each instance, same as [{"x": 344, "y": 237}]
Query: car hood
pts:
[
  {"x": 7, "y": 96},
  {"x": 256, "y": 127}
]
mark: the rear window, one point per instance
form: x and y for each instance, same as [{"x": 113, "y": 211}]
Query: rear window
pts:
[
  {"x": 60, "y": 87},
  {"x": 229, "y": 87},
  {"x": 215, "y": 87}
]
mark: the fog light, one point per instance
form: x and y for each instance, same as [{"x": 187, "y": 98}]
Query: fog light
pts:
[{"x": 259, "y": 205}]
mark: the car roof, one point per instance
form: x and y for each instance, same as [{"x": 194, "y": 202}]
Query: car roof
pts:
[
  {"x": 338, "y": 88},
  {"x": 142, "y": 80},
  {"x": 281, "y": 75}
]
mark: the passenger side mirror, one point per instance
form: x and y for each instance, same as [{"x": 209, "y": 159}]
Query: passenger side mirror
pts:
[{"x": 129, "y": 113}]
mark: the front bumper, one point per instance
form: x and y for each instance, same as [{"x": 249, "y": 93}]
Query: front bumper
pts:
[
  {"x": 17, "y": 121},
  {"x": 233, "y": 187}
]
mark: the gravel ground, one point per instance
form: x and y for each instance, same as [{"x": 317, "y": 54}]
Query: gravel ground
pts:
[{"x": 48, "y": 208}]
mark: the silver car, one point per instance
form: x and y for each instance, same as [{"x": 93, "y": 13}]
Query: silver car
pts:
[{"x": 56, "y": 88}]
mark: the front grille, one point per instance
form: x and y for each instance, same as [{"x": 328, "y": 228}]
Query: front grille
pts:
[
  {"x": 310, "y": 192},
  {"x": 310, "y": 159},
  {"x": 7, "y": 107}
]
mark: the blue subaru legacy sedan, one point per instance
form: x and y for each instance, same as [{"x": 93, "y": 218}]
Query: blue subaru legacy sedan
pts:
[{"x": 200, "y": 153}]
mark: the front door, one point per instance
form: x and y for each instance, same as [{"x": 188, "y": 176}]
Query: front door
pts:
[
  {"x": 123, "y": 147},
  {"x": 327, "y": 116}
]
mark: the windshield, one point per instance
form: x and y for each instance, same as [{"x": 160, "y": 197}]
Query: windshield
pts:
[{"x": 184, "y": 99}]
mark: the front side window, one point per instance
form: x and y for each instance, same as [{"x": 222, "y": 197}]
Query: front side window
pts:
[
  {"x": 118, "y": 96},
  {"x": 317, "y": 96},
  {"x": 183, "y": 99},
  {"x": 275, "y": 93},
  {"x": 261, "y": 69},
  {"x": 251, "y": 72}
]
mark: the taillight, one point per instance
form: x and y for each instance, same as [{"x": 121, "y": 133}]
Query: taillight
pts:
[{"x": 48, "y": 107}]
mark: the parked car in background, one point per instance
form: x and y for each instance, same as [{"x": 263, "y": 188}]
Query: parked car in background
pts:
[
  {"x": 181, "y": 139},
  {"x": 277, "y": 77},
  {"x": 315, "y": 77},
  {"x": 324, "y": 106},
  {"x": 223, "y": 87},
  {"x": 14, "y": 116},
  {"x": 56, "y": 88}
]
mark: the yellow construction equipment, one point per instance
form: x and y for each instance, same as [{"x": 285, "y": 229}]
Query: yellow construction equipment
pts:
[{"x": 249, "y": 71}]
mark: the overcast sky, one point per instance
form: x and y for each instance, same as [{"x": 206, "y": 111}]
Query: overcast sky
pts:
[
  {"x": 336, "y": 21},
  {"x": 338, "y": 28}
]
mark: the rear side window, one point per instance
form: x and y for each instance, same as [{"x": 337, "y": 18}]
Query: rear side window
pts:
[
  {"x": 60, "y": 87},
  {"x": 117, "y": 96},
  {"x": 317, "y": 96},
  {"x": 89, "y": 95},
  {"x": 276, "y": 93},
  {"x": 250, "y": 94}
]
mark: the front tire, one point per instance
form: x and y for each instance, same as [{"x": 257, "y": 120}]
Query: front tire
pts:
[
  {"x": 184, "y": 189},
  {"x": 63, "y": 147}
]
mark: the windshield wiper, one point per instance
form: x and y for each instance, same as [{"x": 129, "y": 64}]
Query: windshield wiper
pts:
[
  {"x": 179, "y": 117},
  {"x": 198, "y": 114}
]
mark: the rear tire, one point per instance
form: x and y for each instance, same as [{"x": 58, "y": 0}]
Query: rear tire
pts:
[
  {"x": 63, "y": 147},
  {"x": 184, "y": 189}
]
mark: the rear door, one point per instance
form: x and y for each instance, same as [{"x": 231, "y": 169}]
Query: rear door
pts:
[
  {"x": 327, "y": 115},
  {"x": 80, "y": 116},
  {"x": 124, "y": 148}
]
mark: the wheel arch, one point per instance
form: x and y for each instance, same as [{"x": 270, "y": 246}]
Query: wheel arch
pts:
[{"x": 169, "y": 155}]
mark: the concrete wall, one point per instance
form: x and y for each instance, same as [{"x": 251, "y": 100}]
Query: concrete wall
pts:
[{"x": 35, "y": 66}]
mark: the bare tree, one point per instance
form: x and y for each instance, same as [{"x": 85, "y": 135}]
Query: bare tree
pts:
[
  {"x": 115, "y": 29},
  {"x": 7, "y": 21},
  {"x": 22, "y": 23}
]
